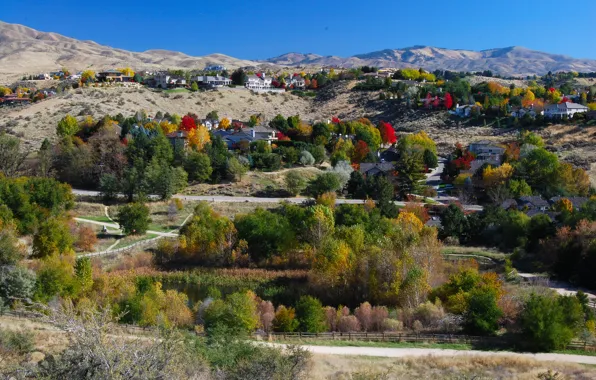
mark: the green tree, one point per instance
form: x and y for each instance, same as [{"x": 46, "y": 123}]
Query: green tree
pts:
[
  {"x": 236, "y": 169},
  {"x": 430, "y": 159},
  {"x": 17, "y": 283},
  {"x": 483, "y": 314},
  {"x": 310, "y": 315},
  {"x": 280, "y": 123},
  {"x": 52, "y": 238},
  {"x": 323, "y": 183},
  {"x": 198, "y": 166},
  {"x": 239, "y": 77},
  {"x": 11, "y": 251},
  {"x": 318, "y": 153},
  {"x": 551, "y": 322},
  {"x": 285, "y": 319},
  {"x": 194, "y": 87},
  {"x": 12, "y": 156},
  {"x": 84, "y": 274},
  {"x": 134, "y": 218},
  {"x": 453, "y": 222},
  {"x": 410, "y": 173},
  {"x": 109, "y": 186},
  {"x": 295, "y": 182},
  {"x": 165, "y": 180},
  {"x": 213, "y": 115},
  {"x": 267, "y": 233},
  {"x": 67, "y": 126}
]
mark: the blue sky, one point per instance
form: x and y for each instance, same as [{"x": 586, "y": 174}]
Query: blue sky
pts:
[{"x": 262, "y": 29}]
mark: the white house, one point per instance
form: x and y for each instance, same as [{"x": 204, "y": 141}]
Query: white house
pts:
[
  {"x": 564, "y": 109},
  {"x": 44, "y": 76},
  {"x": 212, "y": 81},
  {"x": 258, "y": 82}
]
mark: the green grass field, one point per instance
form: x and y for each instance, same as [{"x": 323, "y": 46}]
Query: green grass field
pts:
[{"x": 354, "y": 343}]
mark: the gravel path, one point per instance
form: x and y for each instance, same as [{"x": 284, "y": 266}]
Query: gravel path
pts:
[{"x": 418, "y": 352}]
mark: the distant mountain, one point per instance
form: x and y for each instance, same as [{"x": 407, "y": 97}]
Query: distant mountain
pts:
[
  {"x": 26, "y": 50},
  {"x": 513, "y": 60}
]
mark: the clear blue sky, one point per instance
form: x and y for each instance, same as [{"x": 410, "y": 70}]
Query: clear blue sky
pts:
[{"x": 263, "y": 28}]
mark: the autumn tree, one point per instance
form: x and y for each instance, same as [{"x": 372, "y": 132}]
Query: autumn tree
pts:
[
  {"x": 86, "y": 239},
  {"x": 528, "y": 98},
  {"x": 67, "y": 126},
  {"x": 360, "y": 152},
  {"x": 188, "y": 124},
  {"x": 12, "y": 155},
  {"x": 224, "y": 123},
  {"x": 127, "y": 71},
  {"x": 198, "y": 138},
  {"x": 88, "y": 76},
  {"x": 52, "y": 238},
  {"x": 387, "y": 133},
  {"x": 448, "y": 102},
  {"x": 497, "y": 176}
]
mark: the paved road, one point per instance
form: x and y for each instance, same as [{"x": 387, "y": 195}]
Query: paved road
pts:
[
  {"x": 424, "y": 352},
  {"x": 229, "y": 199}
]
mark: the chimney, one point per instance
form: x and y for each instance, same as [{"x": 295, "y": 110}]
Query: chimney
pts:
[{"x": 252, "y": 132}]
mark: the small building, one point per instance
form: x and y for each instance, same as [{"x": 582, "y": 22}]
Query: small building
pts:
[
  {"x": 296, "y": 81},
  {"x": 521, "y": 112},
  {"x": 564, "y": 109},
  {"x": 533, "y": 202},
  {"x": 165, "y": 80},
  {"x": 178, "y": 139},
  {"x": 113, "y": 76},
  {"x": 389, "y": 155},
  {"x": 376, "y": 169},
  {"x": 487, "y": 151}
]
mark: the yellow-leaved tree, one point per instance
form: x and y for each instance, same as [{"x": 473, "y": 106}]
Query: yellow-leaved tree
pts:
[
  {"x": 127, "y": 71},
  {"x": 167, "y": 127},
  {"x": 497, "y": 176},
  {"x": 88, "y": 75},
  {"x": 528, "y": 98},
  {"x": 198, "y": 138},
  {"x": 224, "y": 123}
]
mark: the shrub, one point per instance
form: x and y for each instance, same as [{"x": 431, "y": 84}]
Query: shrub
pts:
[
  {"x": 429, "y": 314},
  {"x": 348, "y": 323},
  {"x": 19, "y": 342},
  {"x": 483, "y": 314},
  {"x": 392, "y": 325},
  {"x": 310, "y": 314},
  {"x": 306, "y": 158},
  {"x": 295, "y": 182},
  {"x": 323, "y": 183},
  {"x": 285, "y": 319}
]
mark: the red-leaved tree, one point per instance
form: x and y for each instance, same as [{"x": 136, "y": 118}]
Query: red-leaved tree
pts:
[
  {"x": 387, "y": 133},
  {"x": 188, "y": 124},
  {"x": 448, "y": 101},
  {"x": 360, "y": 151}
]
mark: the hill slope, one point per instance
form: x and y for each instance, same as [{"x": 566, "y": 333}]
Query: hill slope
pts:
[
  {"x": 507, "y": 61},
  {"x": 26, "y": 50}
]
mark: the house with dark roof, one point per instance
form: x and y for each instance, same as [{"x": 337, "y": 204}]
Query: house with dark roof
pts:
[
  {"x": 212, "y": 81},
  {"x": 376, "y": 168},
  {"x": 389, "y": 155},
  {"x": 533, "y": 202},
  {"x": 178, "y": 139},
  {"x": 113, "y": 76}
]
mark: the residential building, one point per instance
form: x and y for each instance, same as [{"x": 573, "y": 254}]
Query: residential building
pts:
[
  {"x": 533, "y": 202},
  {"x": 165, "y": 80},
  {"x": 212, "y": 81},
  {"x": 215, "y": 68},
  {"x": 521, "y": 112},
  {"x": 258, "y": 82},
  {"x": 577, "y": 202},
  {"x": 487, "y": 151},
  {"x": 43, "y": 76},
  {"x": 564, "y": 109},
  {"x": 296, "y": 81},
  {"x": 113, "y": 76},
  {"x": 256, "y": 133},
  {"x": 389, "y": 155},
  {"x": 178, "y": 139},
  {"x": 377, "y": 169}
]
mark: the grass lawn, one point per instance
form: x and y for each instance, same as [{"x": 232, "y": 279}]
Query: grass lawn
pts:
[
  {"x": 103, "y": 219},
  {"x": 354, "y": 343},
  {"x": 176, "y": 91},
  {"x": 475, "y": 251}
]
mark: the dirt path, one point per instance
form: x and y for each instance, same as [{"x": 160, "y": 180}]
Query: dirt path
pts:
[{"x": 421, "y": 352}]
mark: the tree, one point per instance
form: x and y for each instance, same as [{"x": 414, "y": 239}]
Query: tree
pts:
[
  {"x": 11, "y": 251},
  {"x": 387, "y": 133},
  {"x": 430, "y": 159},
  {"x": 310, "y": 315},
  {"x": 86, "y": 239},
  {"x": 236, "y": 169},
  {"x": 109, "y": 186},
  {"x": 212, "y": 115},
  {"x": 52, "y": 238},
  {"x": 551, "y": 322},
  {"x": 198, "y": 166},
  {"x": 410, "y": 173},
  {"x": 188, "y": 124},
  {"x": 295, "y": 182},
  {"x": 164, "y": 180},
  {"x": 448, "y": 101},
  {"x": 194, "y": 87},
  {"x": 453, "y": 222},
  {"x": 88, "y": 76},
  {"x": 323, "y": 183},
  {"x": 267, "y": 233},
  {"x": 84, "y": 274},
  {"x": 134, "y": 218},
  {"x": 198, "y": 138},
  {"x": 482, "y": 314},
  {"x": 285, "y": 319},
  {"x": 12, "y": 156},
  {"x": 224, "y": 123},
  {"x": 239, "y": 77},
  {"x": 361, "y": 151},
  {"x": 16, "y": 283},
  {"x": 280, "y": 123},
  {"x": 67, "y": 126}
]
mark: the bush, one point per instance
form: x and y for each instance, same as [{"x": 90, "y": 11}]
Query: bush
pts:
[
  {"x": 429, "y": 314},
  {"x": 482, "y": 315},
  {"x": 310, "y": 314},
  {"x": 19, "y": 342},
  {"x": 323, "y": 183},
  {"x": 295, "y": 182},
  {"x": 392, "y": 325},
  {"x": 348, "y": 323},
  {"x": 285, "y": 319},
  {"x": 306, "y": 158},
  {"x": 550, "y": 323}
]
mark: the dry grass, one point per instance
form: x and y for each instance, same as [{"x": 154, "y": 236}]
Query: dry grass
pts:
[
  {"x": 432, "y": 367},
  {"x": 252, "y": 183},
  {"x": 232, "y": 209}
]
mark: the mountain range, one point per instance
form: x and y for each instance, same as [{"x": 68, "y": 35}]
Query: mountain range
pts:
[{"x": 26, "y": 50}]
